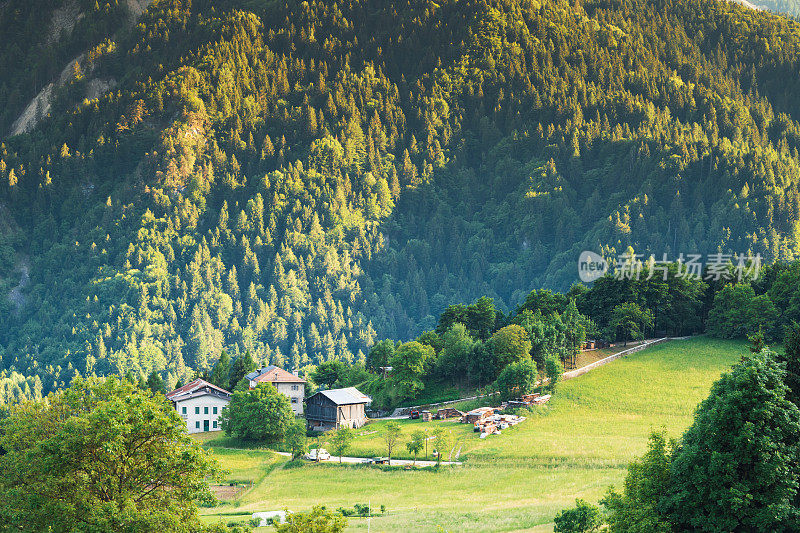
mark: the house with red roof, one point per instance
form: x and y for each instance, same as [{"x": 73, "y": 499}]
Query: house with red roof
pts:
[
  {"x": 292, "y": 386},
  {"x": 199, "y": 403}
]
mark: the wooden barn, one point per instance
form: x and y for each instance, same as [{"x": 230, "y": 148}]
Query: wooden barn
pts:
[{"x": 331, "y": 409}]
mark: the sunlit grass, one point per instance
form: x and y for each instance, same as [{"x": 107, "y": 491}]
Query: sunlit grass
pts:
[{"x": 575, "y": 446}]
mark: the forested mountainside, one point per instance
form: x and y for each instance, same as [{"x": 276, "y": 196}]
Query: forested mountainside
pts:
[{"x": 299, "y": 179}]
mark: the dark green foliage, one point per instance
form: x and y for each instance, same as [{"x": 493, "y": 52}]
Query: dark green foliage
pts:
[
  {"x": 583, "y": 518},
  {"x": 359, "y": 509},
  {"x": 516, "y": 379},
  {"x": 220, "y": 375},
  {"x": 646, "y": 484},
  {"x": 736, "y": 468},
  {"x": 155, "y": 383},
  {"x": 791, "y": 356},
  {"x": 299, "y": 179},
  {"x": 737, "y": 310},
  {"x": 329, "y": 372},
  {"x": 629, "y": 322},
  {"x": 677, "y": 303},
  {"x": 242, "y": 366},
  {"x": 479, "y": 318},
  {"x": 380, "y": 354},
  {"x": 545, "y": 301},
  {"x": 457, "y": 349},
  {"x": 260, "y": 414},
  {"x": 757, "y": 341}
]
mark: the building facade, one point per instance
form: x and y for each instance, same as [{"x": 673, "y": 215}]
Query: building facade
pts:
[
  {"x": 331, "y": 409},
  {"x": 294, "y": 387},
  {"x": 200, "y": 404}
]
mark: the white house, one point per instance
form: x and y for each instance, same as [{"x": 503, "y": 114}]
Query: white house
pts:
[
  {"x": 270, "y": 517},
  {"x": 200, "y": 403},
  {"x": 292, "y": 386}
]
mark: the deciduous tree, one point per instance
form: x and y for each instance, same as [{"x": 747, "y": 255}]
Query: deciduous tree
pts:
[
  {"x": 391, "y": 435},
  {"x": 341, "y": 440},
  {"x": 101, "y": 455},
  {"x": 259, "y": 414},
  {"x": 736, "y": 468}
]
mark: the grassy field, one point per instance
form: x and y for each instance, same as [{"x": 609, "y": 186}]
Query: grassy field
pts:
[{"x": 575, "y": 446}]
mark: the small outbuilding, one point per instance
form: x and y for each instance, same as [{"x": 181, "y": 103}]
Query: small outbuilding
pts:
[{"x": 331, "y": 409}]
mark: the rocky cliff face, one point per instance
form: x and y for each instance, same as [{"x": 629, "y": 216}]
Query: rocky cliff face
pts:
[{"x": 62, "y": 23}]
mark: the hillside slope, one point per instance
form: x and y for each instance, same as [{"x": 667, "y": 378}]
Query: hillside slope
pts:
[
  {"x": 301, "y": 178},
  {"x": 576, "y": 446}
]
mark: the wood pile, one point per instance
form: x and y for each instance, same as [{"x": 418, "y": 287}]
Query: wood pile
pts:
[
  {"x": 448, "y": 412},
  {"x": 494, "y": 424},
  {"x": 526, "y": 401},
  {"x": 470, "y": 417}
]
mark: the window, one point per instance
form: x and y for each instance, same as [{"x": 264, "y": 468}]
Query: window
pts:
[
  {"x": 197, "y": 410},
  {"x": 215, "y": 424},
  {"x": 215, "y": 412},
  {"x": 294, "y": 387},
  {"x": 205, "y": 410},
  {"x": 183, "y": 410},
  {"x": 197, "y": 424},
  {"x": 294, "y": 400}
]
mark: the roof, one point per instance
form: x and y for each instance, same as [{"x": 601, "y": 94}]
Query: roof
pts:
[
  {"x": 349, "y": 395},
  {"x": 198, "y": 387},
  {"x": 273, "y": 374}
]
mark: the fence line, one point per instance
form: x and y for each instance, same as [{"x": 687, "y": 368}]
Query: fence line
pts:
[
  {"x": 400, "y": 411},
  {"x": 584, "y": 369}
]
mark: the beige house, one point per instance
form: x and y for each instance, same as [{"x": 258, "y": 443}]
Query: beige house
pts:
[
  {"x": 288, "y": 384},
  {"x": 199, "y": 404}
]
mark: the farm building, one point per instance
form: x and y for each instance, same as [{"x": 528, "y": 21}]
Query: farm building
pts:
[
  {"x": 330, "y": 409},
  {"x": 200, "y": 403},
  {"x": 448, "y": 412},
  {"x": 292, "y": 386},
  {"x": 470, "y": 417}
]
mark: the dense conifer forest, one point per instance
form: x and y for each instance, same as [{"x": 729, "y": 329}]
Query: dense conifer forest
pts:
[{"x": 303, "y": 179}]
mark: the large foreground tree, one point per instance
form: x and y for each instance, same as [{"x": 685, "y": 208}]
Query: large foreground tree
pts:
[
  {"x": 100, "y": 456},
  {"x": 737, "y": 467}
]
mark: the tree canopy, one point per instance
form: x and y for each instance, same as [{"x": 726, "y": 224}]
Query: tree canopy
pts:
[
  {"x": 259, "y": 414},
  {"x": 299, "y": 180},
  {"x": 101, "y": 455}
]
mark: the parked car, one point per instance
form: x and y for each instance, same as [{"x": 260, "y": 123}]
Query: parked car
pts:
[
  {"x": 414, "y": 415},
  {"x": 380, "y": 460},
  {"x": 313, "y": 453}
]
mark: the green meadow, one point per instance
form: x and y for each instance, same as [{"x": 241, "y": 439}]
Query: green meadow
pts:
[{"x": 577, "y": 445}]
